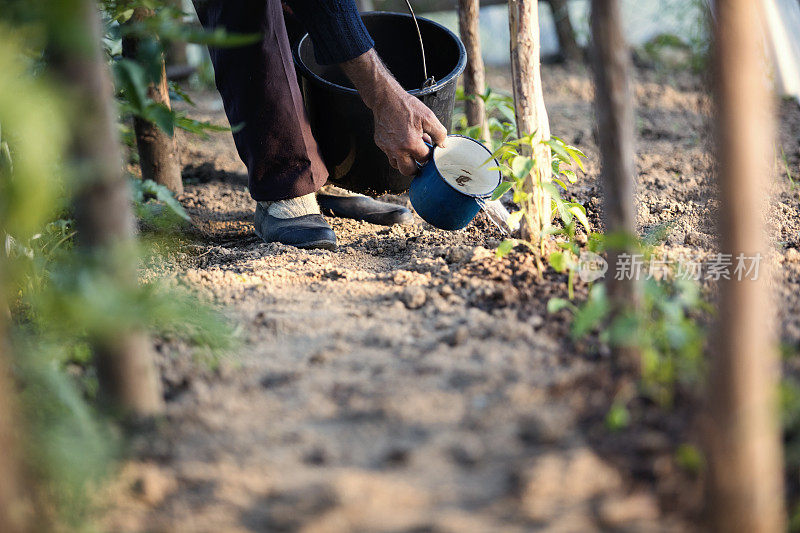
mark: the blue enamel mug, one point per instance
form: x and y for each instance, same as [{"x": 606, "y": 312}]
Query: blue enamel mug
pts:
[{"x": 453, "y": 184}]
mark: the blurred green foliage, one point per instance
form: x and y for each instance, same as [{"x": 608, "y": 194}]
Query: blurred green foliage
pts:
[
  {"x": 60, "y": 299},
  {"x": 667, "y": 327},
  {"x": 133, "y": 75},
  {"x": 67, "y": 445},
  {"x": 689, "y": 50}
]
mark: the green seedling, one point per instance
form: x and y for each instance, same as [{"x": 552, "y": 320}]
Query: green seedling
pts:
[
  {"x": 788, "y": 170},
  {"x": 666, "y": 328}
]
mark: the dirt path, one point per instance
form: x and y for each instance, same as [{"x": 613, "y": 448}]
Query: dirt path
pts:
[{"x": 410, "y": 381}]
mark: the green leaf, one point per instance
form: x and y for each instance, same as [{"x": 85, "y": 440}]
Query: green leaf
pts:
[
  {"x": 150, "y": 56},
  {"x": 552, "y": 190},
  {"x": 580, "y": 213},
  {"x": 505, "y": 247},
  {"x": 560, "y": 183},
  {"x": 558, "y": 261},
  {"x": 124, "y": 16},
  {"x": 506, "y": 150},
  {"x": 591, "y": 314},
  {"x": 165, "y": 27},
  {"x": 162, "y": 116},
  {"x": 130, "y": 78},
  {"x": 554, "y": 305},
  {"x": 176, "y": 93},
  {"x": 559, "y": 150},
  {"x": 563, "y": 210},
  {"x": 508, "y": 113},
  {"x": 514, "y": 219},
  {"x": 501, "y": 189},
  {"x": 690, "y": 458},
  {"x": 6, "y": 162},
  {"x": 624, "y": 330},
  {"x": 575, "y": 153},
  {"x": 144, "y": 188},
  {"x": 521, "y": 166},
  {"x": 576, "y": 156},
  {"x": 201, "y": 128},
  {"x": 617, "y": 417},
  {"x": 596, "y": 243}
]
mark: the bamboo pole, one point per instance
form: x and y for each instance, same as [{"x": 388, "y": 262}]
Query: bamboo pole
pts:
[
  {"x": 615, "y": 126},
  {"x": 745, "y": 459},
  {"x": 15, "y": 504},
  {"x": 566, "y": 34},
  {"x": 474, "y": 84},
  {"x": 102, "y": 205},
  {"x": 158, "y": 152},
  {"x": 523, "y": 20},
  {"x": 175, "y": 54}
]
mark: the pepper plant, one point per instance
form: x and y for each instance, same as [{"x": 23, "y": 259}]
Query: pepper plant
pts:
[{"x": 518, "y": 168}]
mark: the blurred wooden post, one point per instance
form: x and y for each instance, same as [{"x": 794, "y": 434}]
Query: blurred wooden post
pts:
[
  {"x": 566, "y": 34},
  {"x": 175, "y": 53},
  {"x": 103, "y": 212},
  {"x": 523, "y": 20},
  {"x": 158, "y": 152},
  {"x": 745, "y": 459},
  {"x": 474, "y": 85},
  {"x": 615, "y": 126},
  {"x": 15, "y": 505}
]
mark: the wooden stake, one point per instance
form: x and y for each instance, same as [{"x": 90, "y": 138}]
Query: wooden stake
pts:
[
  {"x": 745, "y": 459},
  {"x": 103, "y": 212},
  {"x": 615, "y": 126},
  {"x": 175, "y": 54},
  {"x": 158, "y": 152},
  {"x": 15, "y": 503},
  {"x": 523, "y": 20},
  {"x": 566, "y": 34},
  {"x": 474, "y": 85}
]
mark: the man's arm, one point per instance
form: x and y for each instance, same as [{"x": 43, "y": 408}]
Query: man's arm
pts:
[{"x": 401, "y": 120}]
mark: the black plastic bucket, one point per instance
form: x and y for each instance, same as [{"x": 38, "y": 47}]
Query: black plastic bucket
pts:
[{"x": 343, "y": 125}]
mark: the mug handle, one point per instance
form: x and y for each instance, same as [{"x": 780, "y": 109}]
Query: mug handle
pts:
[{"x": 420, "y": 165}]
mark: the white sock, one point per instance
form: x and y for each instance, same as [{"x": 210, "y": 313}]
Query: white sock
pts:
[{"x": 293, "y": 207}]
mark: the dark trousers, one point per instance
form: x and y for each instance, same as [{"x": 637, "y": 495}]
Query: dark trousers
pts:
[{"x": 260, "y": 93}]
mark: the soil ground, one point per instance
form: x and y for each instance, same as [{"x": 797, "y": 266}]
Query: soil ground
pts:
[{"x": 410, "y": 381}]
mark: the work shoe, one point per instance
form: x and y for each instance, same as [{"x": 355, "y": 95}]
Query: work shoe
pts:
[
  {"x": 338, "y": 202},
  {"x": 303, "y": 231}
]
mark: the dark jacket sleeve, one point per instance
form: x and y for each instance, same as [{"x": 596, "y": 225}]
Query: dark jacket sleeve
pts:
[{"x": 335, "y": 27}]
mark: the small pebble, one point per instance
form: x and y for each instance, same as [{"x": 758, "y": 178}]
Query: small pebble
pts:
[
  {"x": 536, "y": 321},
  {"x": 414, "y": 297},
  {"x": 152, "y": 485},
  {"x": 458, "y": 336},
  {"x": 691, "y": 238},
  {"x": 468, "y": 452}
]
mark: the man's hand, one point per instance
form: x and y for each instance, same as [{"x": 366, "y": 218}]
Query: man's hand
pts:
[{"x": 402, "y": 122}]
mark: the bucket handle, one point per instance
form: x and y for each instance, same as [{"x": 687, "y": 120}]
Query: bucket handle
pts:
[{"x": 429, "y": 82}]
